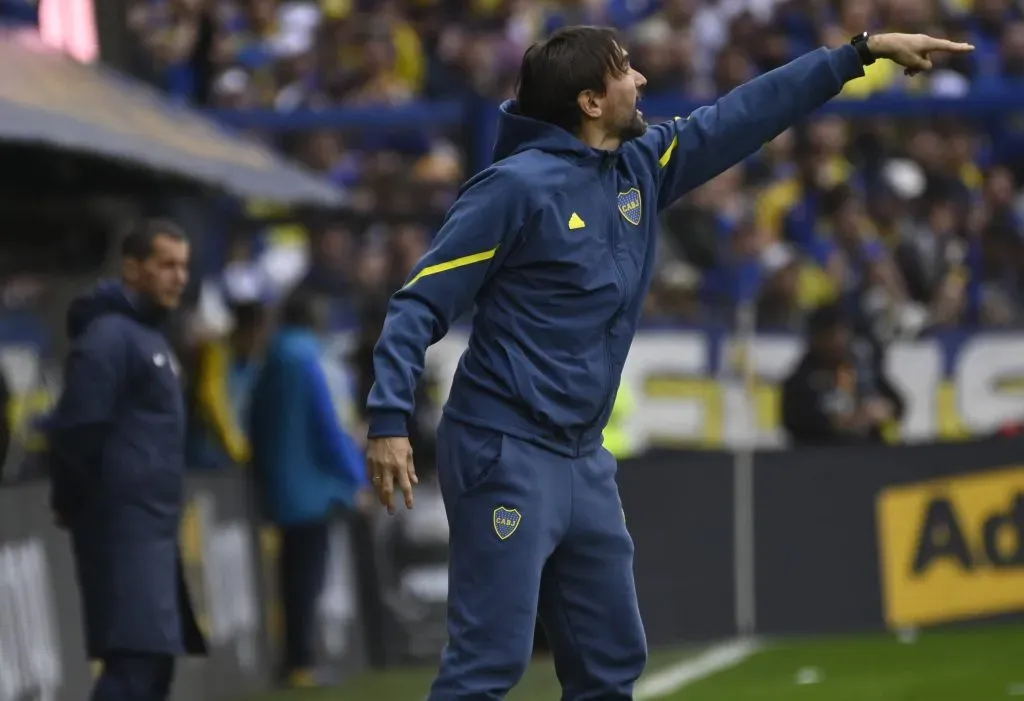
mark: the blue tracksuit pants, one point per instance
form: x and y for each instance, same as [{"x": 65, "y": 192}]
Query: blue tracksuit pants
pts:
[{"x": 535, "y": 533}]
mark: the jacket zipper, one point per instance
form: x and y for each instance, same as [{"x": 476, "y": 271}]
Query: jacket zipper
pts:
[{"x": 606, "y": 167}]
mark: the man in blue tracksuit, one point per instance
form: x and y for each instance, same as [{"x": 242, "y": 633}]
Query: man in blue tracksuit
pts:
[
  {"x": 554, "y": 244},
  {"x": 306, "y": 466}
]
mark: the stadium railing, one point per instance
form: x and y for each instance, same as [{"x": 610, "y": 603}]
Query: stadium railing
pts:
[{"x": 478, "y": 116}]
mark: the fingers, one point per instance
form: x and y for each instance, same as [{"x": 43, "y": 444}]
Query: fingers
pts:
[
  {"x": 919, "y": 64},
  {"x": 405, "y": 483},
  {"x": 920, "y": 61},
  {"x": 411, "y": 468},
  {"x": 390, "y": 462},
  {"x": 955, "y": 47},
  {"x": 385, "y": 486}
]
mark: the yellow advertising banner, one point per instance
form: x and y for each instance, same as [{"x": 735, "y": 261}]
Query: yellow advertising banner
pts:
[{"x": 952, "y": 549}]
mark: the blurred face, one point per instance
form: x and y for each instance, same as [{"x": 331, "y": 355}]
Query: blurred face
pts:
[
  {"x": 999, "y": 187},
  {"x": 833, "y": 343},
  {"x": 848, "y": 221},
  {"x": 731, "y": 69},
  {"x": 378, "y": 54},
  {"x": 262, "y": 13},
  {"x": 679, "y": 12},
  {"x": 322, "y": 151},
  {"x": 163, "y": 275},
  {"x": 942, "y": 219},
  {"x": 828, "y": 135},
  {"x": 748, "y": 241},
  {"x": 186, "y": 7},
  {"x": 1013, "y": 42},
  {"x": 248, "y": 338},
  {"x": 910, "y": 15},
  {"x": 857, "y": 13},
  {"x": 992, "y": 11},
  {"x": 335, "y": 249},
  {"x": 927, "y": 148},
  {"x": 617, "y": 110}
]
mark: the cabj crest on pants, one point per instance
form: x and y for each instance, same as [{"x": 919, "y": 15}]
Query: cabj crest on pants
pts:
[{"x": 506, "y": 521}]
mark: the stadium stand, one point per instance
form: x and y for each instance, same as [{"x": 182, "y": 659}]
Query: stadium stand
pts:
[{"x": 911, "y": 222}]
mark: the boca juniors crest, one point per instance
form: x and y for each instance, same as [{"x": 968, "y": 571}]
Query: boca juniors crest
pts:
[
  {"x": 506, "y": 521},
  {"x": 631, "y": 206}
]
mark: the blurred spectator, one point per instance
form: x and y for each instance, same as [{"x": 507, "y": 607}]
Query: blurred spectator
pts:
[
  {"x": 223, "y": 388},
  {"x": 872, "y": 244},
  {"x": 5, "y": 420},
  {"x": 244, "y": 279},
  {"x": 932, "y": 254},
  {"x": 178, "y": 35},
  {"x": 333, "y": 268},
  {"x": 838, "y": 393},
  {"x": 306, "y": 466},
  {"x": 423, "y": 427}
]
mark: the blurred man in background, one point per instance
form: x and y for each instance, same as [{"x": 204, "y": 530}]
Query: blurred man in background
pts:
[
  {"x": 306, "y": 466},
  {"x": 838, "y": 394},
  {"x": 117, "y": 460},
  {"x": 226, "y": 368},
  {"x": 5, "y": 421}
]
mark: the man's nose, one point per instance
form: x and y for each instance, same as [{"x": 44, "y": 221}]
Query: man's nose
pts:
[{"x": 639, "y": 79}]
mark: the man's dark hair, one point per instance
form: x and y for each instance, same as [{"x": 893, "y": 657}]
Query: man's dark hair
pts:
[
  {"x": 826, "y": 318},
  {"x": 248, "y": 315},
  {"x": 138, "y": 241},
  {"x": 834, "y": 199},
  {"x": 556, "y": 70}
]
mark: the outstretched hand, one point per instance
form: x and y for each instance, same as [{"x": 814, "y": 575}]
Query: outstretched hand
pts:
[{"x": 912, "y": 51}]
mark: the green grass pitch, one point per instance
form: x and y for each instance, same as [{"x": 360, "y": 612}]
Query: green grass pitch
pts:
[{"x": 970, "y": 664}]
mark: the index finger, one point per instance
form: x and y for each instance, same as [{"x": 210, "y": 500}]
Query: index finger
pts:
[{"x": 956, "y": 47}]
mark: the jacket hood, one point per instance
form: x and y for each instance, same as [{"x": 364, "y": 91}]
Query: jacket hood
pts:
[
  {"x": 106, "y": 298},
  {"x": 517, "y": 133}
]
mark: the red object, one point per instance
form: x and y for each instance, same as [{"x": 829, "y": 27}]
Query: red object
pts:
[{"x": 1010, "y": 430}]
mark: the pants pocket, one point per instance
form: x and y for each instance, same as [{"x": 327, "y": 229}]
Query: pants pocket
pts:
[{"x": 469, "y": 457}]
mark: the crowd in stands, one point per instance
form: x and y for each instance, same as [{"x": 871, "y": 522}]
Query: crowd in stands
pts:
[{"x": 913, "y": 224}]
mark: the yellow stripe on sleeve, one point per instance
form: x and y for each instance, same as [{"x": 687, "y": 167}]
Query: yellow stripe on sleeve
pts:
[
  {"x": 667, "y": 156},
  {"x": 452, "y": 265}
]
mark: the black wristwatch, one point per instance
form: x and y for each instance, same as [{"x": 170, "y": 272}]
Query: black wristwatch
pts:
[{"x": 860, "y": 42}]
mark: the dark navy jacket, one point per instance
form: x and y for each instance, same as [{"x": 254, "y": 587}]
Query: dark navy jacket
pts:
[
  {"x": 117, "y": 441},
  {"x": 555, "y": 244}
]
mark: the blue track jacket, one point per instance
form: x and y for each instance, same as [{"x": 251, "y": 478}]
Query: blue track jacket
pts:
[
  {"x": 305, "y": 462},
  {"x": 555, "y": 244}
]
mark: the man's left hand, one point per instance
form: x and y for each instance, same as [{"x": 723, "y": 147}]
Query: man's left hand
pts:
[{"x": 912, "y": 51}]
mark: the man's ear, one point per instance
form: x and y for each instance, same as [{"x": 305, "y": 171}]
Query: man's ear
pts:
[
  {"x": 590, "y": 104},
  {"x": 130, "y": 270}
]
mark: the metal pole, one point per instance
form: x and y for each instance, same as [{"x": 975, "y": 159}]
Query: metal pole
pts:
[{"x": 743, "y": 476}]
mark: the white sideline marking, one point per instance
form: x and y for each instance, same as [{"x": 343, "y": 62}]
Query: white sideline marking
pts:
[{"x": 714, "y": 659}]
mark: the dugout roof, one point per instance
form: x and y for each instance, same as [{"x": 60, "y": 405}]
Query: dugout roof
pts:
[{"x": 53, "y": 101}]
